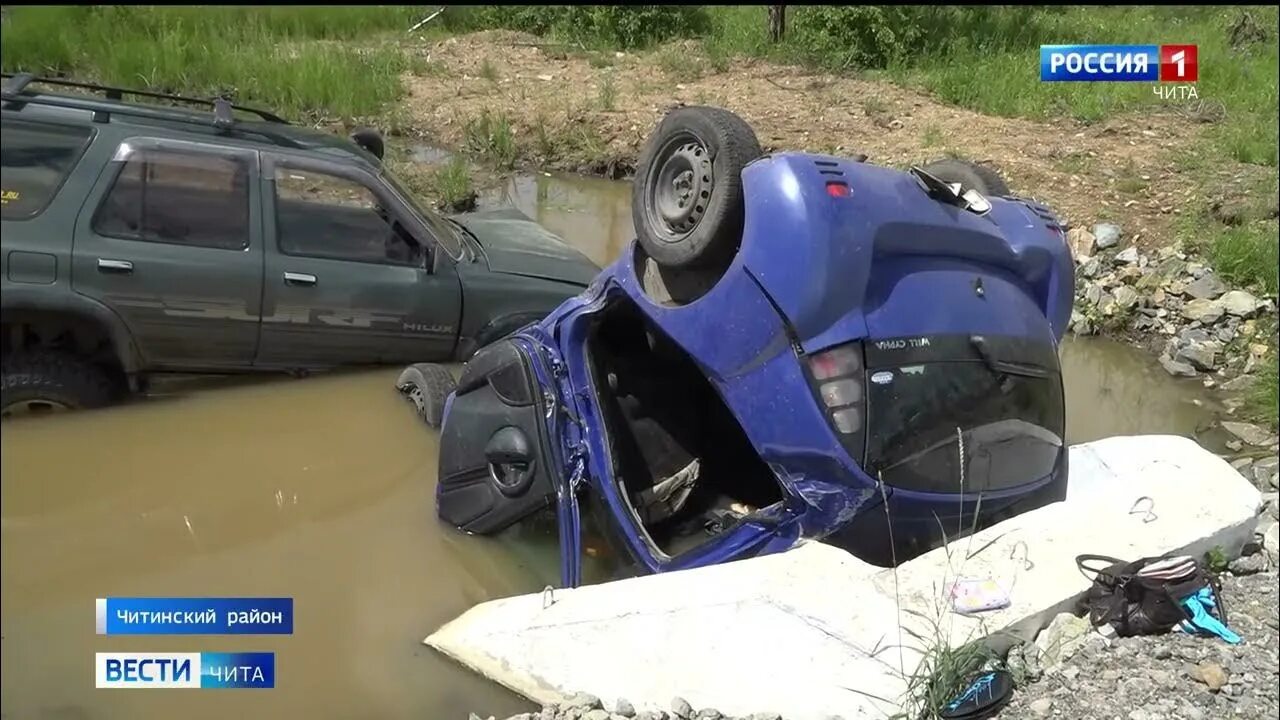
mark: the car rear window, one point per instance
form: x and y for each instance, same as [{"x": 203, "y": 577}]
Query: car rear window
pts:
[
  {"x": 36, "y": 158},
  {"x": 1012, "y": 424}
]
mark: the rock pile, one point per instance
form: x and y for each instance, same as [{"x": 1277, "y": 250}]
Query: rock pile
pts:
[
  {"x": 1173, "y": 676},
  {"x": 1200, "y": 324},
  {"x": 588, "y": 707}
]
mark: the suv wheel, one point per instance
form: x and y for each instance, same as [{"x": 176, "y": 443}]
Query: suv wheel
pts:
[
  {"x": 427, "y": 386},
  {"x": 44, "y": 381}
]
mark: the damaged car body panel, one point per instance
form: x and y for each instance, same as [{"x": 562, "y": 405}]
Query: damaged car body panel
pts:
[{"x": 869, "y": 356}]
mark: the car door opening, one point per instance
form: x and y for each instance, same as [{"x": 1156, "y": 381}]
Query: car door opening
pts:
[{"x": 679, "y": 457}]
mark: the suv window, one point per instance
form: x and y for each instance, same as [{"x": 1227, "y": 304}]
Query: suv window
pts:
[
  {"x": 326, "y": 216},
  {"x": 183, "y": 198},
  {"x": 36, "y": 159}
]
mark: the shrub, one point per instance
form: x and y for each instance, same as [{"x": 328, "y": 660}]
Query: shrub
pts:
[
  {"x": 624, "y": 26},
  {"x": 879, "y": 36}
]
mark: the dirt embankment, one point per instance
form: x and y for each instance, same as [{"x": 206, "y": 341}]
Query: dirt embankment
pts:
[{"x": 579, "y": 111}]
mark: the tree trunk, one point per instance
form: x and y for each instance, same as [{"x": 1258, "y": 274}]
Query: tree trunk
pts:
[{"x": 777, "y": 22}]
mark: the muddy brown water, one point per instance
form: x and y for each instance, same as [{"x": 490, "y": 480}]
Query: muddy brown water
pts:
[{"x": 322, "y": 489}]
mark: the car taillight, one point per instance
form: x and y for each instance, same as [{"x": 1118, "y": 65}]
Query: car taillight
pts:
[{"x": 838, "y": 379}]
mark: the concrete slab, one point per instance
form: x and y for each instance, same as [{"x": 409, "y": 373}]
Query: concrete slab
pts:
[{"x": 814, "y": 632}]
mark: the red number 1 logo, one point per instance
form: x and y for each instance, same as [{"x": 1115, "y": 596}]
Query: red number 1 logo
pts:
[{"x": 1179, "y": 63}]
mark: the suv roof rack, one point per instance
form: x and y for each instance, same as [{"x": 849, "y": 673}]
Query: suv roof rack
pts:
[
  {"x": 15, "y": 92},
  {"x": 18, "y": 82}
]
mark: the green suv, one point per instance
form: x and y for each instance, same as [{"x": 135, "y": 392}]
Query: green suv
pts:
[{"x": 147, "y": 238}]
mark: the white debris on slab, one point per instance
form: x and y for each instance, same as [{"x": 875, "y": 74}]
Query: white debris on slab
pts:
[{"x": 815, "y": 632}]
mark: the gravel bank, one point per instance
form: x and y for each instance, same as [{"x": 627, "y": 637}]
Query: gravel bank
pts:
[{"x": 1172, "y": 676}]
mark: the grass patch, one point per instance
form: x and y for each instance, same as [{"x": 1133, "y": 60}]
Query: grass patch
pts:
[
  {"x": 1076, "y": 163},
  {"x": 595, "y": 26},
  {"x": 678, "y": 64},
  {"x": 994, "y": 72},
  {"x": 1216, "y": 560},
  {"x": 607, "y": 96},
  {"x": 985, "y": 58},
  {"x": 285, "y": 58},
  {"x": 1245, "y": 256},
  {"x": 932, "y": 136},
  {"x": 490, "y": 136},
  {"x": 421, "y": 66},
  {"x": 453, "y": 182},
  {"x": 1262, "y": 403},
  {"x": 543, "y": 140},
  {"x": 1130, "y": 182},
  {"x": 585, "y": 141}
]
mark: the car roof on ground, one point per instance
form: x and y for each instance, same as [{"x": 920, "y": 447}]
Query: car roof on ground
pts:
[{"x": 178, "y": 120}]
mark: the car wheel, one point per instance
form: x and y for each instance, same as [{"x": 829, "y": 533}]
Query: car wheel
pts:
[
  {"x": 686, "y": 200},
  {"x": 47, "y": 381},
  {"x": 969, "y": 175},
  {"x": 427, "y": 386}
]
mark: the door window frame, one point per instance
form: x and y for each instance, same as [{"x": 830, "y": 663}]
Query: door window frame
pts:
[
  {"x": 273, "y": 162},
  {"x": 133, "y": 145}
]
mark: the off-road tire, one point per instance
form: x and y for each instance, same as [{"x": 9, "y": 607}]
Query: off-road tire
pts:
[
  {"x": 427, "y": 386},
  {"x": 686, "y": 199},
  {"x": 56, "y": 379},
  {"x": 969, "y": 175}
]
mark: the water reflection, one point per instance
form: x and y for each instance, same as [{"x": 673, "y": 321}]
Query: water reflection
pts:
[{"x": 591, "y": 213}]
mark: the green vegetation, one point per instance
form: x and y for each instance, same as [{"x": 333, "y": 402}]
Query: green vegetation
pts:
[
  {"x": 1215, "y": 559},
  {"x": 542, "y": 140},
  {"x": 943, "y": 673},
  {"x": 1246, "y": 255},
  {"x": 932, "y": 136},
  {"x": 453, "y": 182},
  {"x": 1238, "y": 233},
  {"x": 980, "y": 57},
  {"x": 607, "y": 97},
  {"x": 597, "y": 26},
  {"x": 284, "y": 58},
  {"x": 490, "y": 136},
  {"x": 984, "y": 57},
  {"x": 1263, "y": 400}
]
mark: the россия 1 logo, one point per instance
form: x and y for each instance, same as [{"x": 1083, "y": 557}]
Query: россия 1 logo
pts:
[{"x": 1119, "y": 63}]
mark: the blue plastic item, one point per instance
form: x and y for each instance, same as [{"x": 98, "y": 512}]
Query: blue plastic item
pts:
[{"x": 1202, "y": 621}]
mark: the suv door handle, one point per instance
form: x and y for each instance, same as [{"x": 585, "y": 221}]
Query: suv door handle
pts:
[
  {"x": 293, "y": 278},
  {"x": 123, "y": 267}
]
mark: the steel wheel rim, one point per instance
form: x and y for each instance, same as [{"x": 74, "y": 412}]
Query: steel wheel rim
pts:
[{"x": 679, "y": 191}]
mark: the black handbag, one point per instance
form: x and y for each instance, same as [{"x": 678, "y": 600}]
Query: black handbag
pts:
[{"x": 1144, "y": 597}]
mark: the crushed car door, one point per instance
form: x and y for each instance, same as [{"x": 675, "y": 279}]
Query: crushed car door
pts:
[{"x": 497, "y": 464}]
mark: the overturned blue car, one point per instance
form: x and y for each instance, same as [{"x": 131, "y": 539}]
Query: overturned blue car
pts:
[{"x": 796, "y": 346}]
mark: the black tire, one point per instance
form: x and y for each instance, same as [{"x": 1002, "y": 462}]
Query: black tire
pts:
[
  {"x": 41, "y": 381},
  {"x": 969, "y": 175},
  {"x": 427, "y": 385},
  {"x": 686, "y": 200},
  {"x": 369, "y": 139}
]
